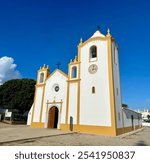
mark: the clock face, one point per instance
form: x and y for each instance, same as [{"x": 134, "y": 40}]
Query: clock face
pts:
[{"x": 93, "y": 69}]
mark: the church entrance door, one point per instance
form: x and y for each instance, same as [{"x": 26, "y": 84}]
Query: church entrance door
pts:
[{"x": 53, "y": 117}]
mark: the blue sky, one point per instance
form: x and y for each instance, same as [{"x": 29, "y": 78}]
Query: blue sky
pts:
[{"x": 34, "y": 32}]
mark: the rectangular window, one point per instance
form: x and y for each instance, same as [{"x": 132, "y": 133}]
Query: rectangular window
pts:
[{"x": 93, "y": 90}]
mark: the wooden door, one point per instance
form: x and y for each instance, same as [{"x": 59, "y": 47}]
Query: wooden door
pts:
[{"x": 51, "y": 117}]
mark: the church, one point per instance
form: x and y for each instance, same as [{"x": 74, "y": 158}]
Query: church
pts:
[{"x": 88, "y": 98}]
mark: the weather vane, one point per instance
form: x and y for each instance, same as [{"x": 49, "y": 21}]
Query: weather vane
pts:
[{"x": 58, "y": 65}]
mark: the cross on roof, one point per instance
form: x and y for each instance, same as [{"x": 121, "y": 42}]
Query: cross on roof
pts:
[
  {"x": 58, "y": 65},
  {"x": 98, "y": 27}
]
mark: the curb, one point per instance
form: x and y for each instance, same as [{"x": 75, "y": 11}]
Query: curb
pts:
[
  {"x": 130, "y": 133},
  {"x": 19, "y": 140}
]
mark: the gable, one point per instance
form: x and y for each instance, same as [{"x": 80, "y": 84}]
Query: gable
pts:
[{"x": 57, "y": 75}]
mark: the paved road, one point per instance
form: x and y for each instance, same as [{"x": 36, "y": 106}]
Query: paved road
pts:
[{"x": 59, "y": 138}]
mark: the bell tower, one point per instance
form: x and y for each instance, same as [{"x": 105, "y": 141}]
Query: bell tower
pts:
[
  {"x": 43, "y": 73},
  {"x": 36, "y": 120},
  {"x": 73, "y": 88}
]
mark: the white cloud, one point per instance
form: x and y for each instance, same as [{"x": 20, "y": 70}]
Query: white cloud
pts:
[{"x": 8, "y": 69}]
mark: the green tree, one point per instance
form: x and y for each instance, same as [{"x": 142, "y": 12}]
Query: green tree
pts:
[
  {"x": 148, "y": 116},
  {"x": 17, "y": 94}
]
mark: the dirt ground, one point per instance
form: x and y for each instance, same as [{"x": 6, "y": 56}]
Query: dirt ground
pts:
[{"x": 140, "y": 138}]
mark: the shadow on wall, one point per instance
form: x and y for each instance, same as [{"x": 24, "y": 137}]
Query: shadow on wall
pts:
[{"x": 141, "y": 143}]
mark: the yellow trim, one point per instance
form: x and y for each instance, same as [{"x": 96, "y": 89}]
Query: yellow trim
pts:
[
  {"x": 73, "y": 81},
  {"x": 40, "y": 85},
  {"x": 127, "y": 129},
  {"x": 68, "y": 95},
  {"x": 100, "y": 130},
  {"x": 59, "y": 72},
  {"x": 78, "y": 104},
  {"x": 79, "y": 53},
  {"x": 111, "y": 85},
  {"x": 33, "y": 105},
  {"x": 37, "y": 125},
  {"x": 120, "y": 131},
  {"x": 43, "y": 95},
  {"x": 122, "y": 120},
  {"x": 74, "y": 63},
  {"x": 78, "y": 93},
  {"x": 54, "y": 102},
  {"x": 64, "y": 127},
  {"x": 93, "y": 39},
  {"x": 43, "y": 69},
  {"x": 46, "y": 72}
]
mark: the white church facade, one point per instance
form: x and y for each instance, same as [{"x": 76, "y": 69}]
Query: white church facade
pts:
[{"x": 88, "y": 98}]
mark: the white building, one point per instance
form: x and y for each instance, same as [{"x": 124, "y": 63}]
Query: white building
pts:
[
  {"x": 88, "y": 98},
  {"x": 145, "y": 117}
]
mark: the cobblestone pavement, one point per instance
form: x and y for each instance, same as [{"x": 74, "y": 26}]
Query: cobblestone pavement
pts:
[{"x": 59, "y": 138}]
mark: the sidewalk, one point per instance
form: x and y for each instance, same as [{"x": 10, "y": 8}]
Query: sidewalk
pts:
[{"x": 11, "y": 133}]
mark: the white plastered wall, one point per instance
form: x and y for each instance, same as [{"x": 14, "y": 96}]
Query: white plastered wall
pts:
[
  {"x": 51, "y": 95},
  {"x": 117, "y": 88},
  {"x": 37, "y": 107},
  {"x": 72, "y": 111},
  {"x": 30, "y": 116},
  {"x": 95, "y": 108},
  {"x": 128, "y": 121}
]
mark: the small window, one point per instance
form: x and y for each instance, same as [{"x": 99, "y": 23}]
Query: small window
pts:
[
  {"x": 74, "y": 72},
  {"x": 41, "y": 77},
  {"x": 93, "y": 90},
  {"x": 93, "y": 53}
]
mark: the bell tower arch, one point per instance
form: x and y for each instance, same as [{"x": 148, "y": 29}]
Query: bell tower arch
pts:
[{"x": 36, "y": 119}]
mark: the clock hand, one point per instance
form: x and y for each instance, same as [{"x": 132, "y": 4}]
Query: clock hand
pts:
[{"x": 93, "y": 68}]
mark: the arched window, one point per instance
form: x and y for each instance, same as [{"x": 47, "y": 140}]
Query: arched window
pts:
[
  {"x": 93, "y": 90},
  {"x": 93, "y": 53},
  {"x": 74, "y": 72},
  {"x": 41, "y": 77}
]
